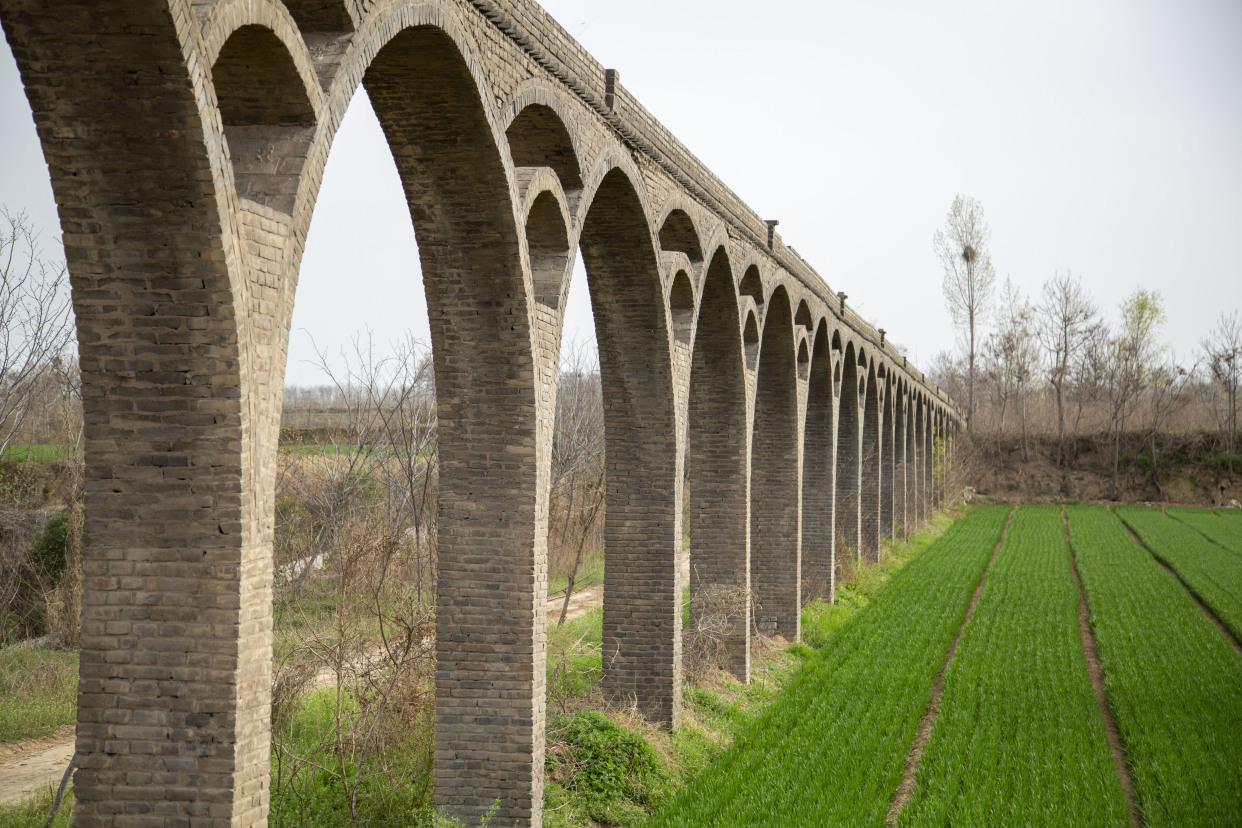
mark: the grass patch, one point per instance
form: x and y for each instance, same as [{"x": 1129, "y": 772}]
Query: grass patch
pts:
[
  {"x": 38, "y": 692},
  {"x": 32, "y": 812},
  {"x": 34, "y": 453},
  {"x": 590, "y": 573}
]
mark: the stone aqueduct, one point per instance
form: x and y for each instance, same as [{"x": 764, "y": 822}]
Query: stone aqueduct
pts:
[{"x": 186, "y": 140}]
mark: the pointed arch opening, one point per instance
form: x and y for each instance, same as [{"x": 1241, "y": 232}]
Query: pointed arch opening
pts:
[
  {"x": 717, "y": 504},
  {"x": 803, "y": 317},
  {"x": 268, "y": 118},
  {"x": 538, "y": 138},
  {"x": 678, "y": 233},
  {"x": 642, "y": 527},
  {"x": 547, "y": 239},
  {"x": 872, "y": 467},
  {"x": 849, "y": 456},
  {"x": 750, "y": 340},
  {"x": 681, "y": 306},
  {"x": 752, "y": 286},
  {"x": 888, "y": 467},
  {"x": 776, "y": 572},
  {"x": 491, "y": 527},
  {"x": 819, "y": 475}
]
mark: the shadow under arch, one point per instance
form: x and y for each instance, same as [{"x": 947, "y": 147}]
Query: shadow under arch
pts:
[
  {"x": 918, "y": 454},
  {"x": 718, "y": 483},
  {"x": 871, "y": 470},
  {"x": 642, "y": 526},
  {"x": 775, "y": 482},
  {"x": 888, "y": 456},
  {"x": 901, "y": 448},
  {"x": 849, "y": 457},
  {"x": 819, "y": 444},
  {"x": 268, "y": 118},
  {"x": 492, "y": 534}
]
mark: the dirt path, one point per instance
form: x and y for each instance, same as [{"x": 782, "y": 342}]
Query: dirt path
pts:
[
  {"x": 905, "y": 791},
  {"x": 32, "y": 765}
]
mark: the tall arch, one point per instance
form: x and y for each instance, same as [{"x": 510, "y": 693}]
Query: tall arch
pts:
[
  {"x": 849, "y": 456},
  {"x": 819, "y": 473},
  {"x": 888, "y": 459},
  {"x": 718, "y": 508},
  {"x": 642, "y": 524},
  {"x": 492, "y": 519},
  {"x": 901, "y": 459},
  {"x": 871, "y": 468},
  {"x": 775, "y": 477}
]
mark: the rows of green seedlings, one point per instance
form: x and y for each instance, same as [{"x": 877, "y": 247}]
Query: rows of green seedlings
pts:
[
  {"x": 1173, "y": 682},
  {"x": 1219, "y": 530},
  {"x": 1019, "y": 739},
  {"x": 1212, "y": 573},
  {"x": 832, "y": 749}
]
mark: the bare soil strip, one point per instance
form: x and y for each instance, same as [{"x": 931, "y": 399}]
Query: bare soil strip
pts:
[
  {"x": 1095, "y": 671},
  {"x": 1211, "y": 616},
  {"x": 33, "y": 765},
  {"x": 905, "y": 791}
]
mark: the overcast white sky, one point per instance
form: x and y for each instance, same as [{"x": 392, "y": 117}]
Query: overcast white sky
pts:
[{"x": 1101, "y": 136}]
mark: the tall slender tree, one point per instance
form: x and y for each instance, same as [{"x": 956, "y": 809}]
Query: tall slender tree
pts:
[
  {"x": 1222, "y": 351},
  {"x": 1065, "y": 319},
  {"x": 969, "y": 278}
]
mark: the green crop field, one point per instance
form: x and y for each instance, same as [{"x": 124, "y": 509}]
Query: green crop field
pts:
[
  {"x": 1212, "y": 573},
  {"x": 1018, "y": 735},
  {"x": 832, "y": 749},
  {"x": 1019, "y": 739},
  {"x": 1221, "y": 530},
  {"x": 1172, "y": 680}
]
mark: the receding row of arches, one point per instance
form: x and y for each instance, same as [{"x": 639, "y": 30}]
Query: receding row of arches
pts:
[{"x": 739, "y": 406}]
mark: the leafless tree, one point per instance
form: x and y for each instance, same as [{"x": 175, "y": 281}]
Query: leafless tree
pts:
[
  {"x": 1133, "y": 352},
  {"x": 577, "y": 455},
  {"x": 1168, "y": 386},
  {"x": 411, "y": 430},
  {"x": 1064, "y": 322},
  {"x": 969, "y": 278},
  {"x": 36, "y": 324},
  {"x": 1222, "y": 352},
  {"x": 1010, "y": 354}
]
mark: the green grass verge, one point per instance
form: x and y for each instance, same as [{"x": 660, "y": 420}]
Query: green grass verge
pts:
[
  {"x": 1212, "y": 573},
  {"x": 1219, "y": 530},
  {"x": 32, "y": 812},
  {"x": 1019, "y": 739},
  {"x": 831, "y": 749},
  {"x": 34, "y": 453},
  {"x": 1172, "y": 680},
  {"x": 38, "y": 692}
]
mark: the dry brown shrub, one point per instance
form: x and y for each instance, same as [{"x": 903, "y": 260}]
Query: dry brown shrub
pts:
[{"x": 716, "y": 613}]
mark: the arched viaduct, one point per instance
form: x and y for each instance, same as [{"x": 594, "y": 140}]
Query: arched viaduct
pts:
[{"x": 186, "y": 140}]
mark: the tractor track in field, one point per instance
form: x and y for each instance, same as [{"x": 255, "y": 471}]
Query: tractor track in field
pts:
[
  {"x": 1095, "y": 671},
  {"x": 905, "y": 790},
  {"x": 1211, "y": 616}
]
